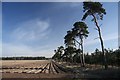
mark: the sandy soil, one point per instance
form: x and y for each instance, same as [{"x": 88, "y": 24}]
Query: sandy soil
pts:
[
  {"x": 10, "y": 66},
  {"x": 77, "y": 73}
]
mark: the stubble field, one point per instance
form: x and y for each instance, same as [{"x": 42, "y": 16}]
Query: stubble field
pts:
[{"x": 32, "y": 69}]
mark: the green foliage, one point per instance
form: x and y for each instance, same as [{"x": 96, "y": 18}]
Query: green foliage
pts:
[
  {"x": 73, "y": 55},
  {"x": 113, "y": 57},
  {"x": 58, "y": 53},
  {"x": 69, "y": 39},
  {"x": 69, "y": 53},
  {"x": 80, "y": 29},
  {"x": 91, "y": 8},
  {"x": 76, "y": 57},
  {"x": 96, "y": 10}
]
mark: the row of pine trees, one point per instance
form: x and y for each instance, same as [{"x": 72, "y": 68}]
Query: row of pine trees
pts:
[{"x": 74, "y": 40}]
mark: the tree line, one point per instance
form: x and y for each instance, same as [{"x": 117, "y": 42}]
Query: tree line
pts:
[
  {"x": 24, "y": 58},
  {"x": 112, "y": 56},
  {"x": 74, "y": 40}
]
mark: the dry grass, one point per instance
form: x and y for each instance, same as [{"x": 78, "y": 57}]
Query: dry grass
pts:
[
  {"x": 27, "y": 69},
  {"x": 12, "y": 63},
  {"x": 90, "y": 71}
]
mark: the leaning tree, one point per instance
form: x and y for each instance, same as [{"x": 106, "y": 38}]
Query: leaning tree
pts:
[
  {"x": 80, "y": 31},
  {"x": 69, "y": 39},
  {"x": 58, "y": 53},
  {"x": 96, "y": 10},
  {"x": 70, "y": 44}
]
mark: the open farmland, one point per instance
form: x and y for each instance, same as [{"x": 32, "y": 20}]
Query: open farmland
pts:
[
  {"x": 32, "y": 69},
  {"x": 50, "y": 69}
]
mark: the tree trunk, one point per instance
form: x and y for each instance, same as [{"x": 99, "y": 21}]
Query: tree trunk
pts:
[
  {"x": 80, "y": 56},
  {"x": 83, "y": 59},
  {"x": 101, "y": 40}
]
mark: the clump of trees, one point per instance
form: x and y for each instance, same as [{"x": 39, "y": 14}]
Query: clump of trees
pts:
[
  {"x": 74, "y": 40},
  {"x": 113, "y": 57},
  {"x": 58, "y": 53}
]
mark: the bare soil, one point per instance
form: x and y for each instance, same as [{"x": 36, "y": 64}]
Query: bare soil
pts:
[{"x": 47, "y": 69}]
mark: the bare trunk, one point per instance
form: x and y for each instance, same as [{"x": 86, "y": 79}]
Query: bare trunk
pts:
[
  {"x": 83, "y": 59},
  {"x": 101, "y": 40},
  {"x": 80, "y": 57}
]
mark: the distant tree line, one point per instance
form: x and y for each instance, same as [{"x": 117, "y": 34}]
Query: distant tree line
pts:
[{"x": 24, "y": 58}]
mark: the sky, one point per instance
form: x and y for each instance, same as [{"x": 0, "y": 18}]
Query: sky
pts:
[
  {"x": 58, "y": 0},
  {"x": 0, "y": 29},
  {"x": 119, "y": 24},
  {"x": 37, "y": 29}
]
